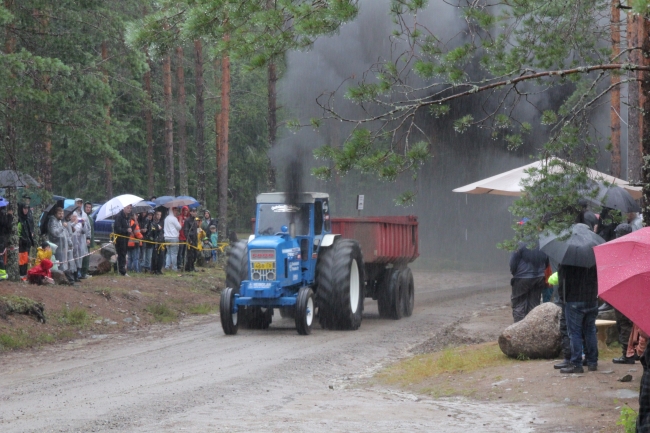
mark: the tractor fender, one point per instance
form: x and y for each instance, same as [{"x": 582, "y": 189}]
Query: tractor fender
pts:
[{"x": 328, "y": 240}]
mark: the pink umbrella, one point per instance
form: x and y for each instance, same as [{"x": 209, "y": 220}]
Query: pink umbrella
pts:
[{"x": 624, "y": 275}]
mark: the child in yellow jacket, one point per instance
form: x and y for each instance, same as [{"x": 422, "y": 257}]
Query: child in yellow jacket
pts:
[{"x": 43, "y": 252}]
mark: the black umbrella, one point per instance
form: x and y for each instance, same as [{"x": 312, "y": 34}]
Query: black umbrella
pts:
[
  {"x": 615, "y": 197},
  {"x": 67, "y": 211},
  {"x": 573, "y": 247},
  {"x": 16, "y": 179}
]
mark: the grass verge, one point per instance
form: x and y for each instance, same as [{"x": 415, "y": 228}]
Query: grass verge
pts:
[
  {"x": 75, "y": 317},
  {"x": 203, "y": 308},
  {"x": 162, "y": 313},
  {"x": 452, "y": 360},
  {"x": 22, "y": 339}
]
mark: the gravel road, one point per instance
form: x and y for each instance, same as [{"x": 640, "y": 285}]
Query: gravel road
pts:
[{"x": 191, "y": 377}]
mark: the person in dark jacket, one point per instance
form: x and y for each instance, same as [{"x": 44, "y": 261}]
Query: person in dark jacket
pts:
[
  {"x": 25, "y": 238},
  {"x": 191, "y": 231},
  {"x": 122, "y": 228},
  {"x": 6, "y": 222},
  {"x": 643, "y": 420},
  {"x": 156, "y": 234},
  {"x": 579, "y": 290},
  {"x": 527, "y": 267},
  {"x": 207, "y": 221}
]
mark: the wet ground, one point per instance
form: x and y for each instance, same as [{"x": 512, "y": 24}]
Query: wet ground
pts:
[{"x": 191, "y": 377}]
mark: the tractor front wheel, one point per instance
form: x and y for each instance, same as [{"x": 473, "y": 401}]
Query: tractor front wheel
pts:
[
  {"x": 304, "y": 310},
  {"x": 229, "y": 321}
]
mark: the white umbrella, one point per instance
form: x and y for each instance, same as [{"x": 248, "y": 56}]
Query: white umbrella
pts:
[
  {"x": 116, "y": 204},
  {"x": 509, "y": 182}
]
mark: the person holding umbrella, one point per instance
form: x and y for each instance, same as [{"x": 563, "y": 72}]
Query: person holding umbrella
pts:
[
  {"x": 527, "y": 267},
  {"x": 122, "y": 228},
  {"x": 578, "y": 288}
]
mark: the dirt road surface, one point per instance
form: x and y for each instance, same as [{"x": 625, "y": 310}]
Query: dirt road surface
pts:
[{"x": 191, "y": 377}]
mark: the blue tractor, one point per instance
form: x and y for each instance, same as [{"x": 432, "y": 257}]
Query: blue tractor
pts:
[{"x": 294, "y": 263}]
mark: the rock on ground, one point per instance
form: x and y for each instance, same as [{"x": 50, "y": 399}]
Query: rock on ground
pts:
[
  {"x": 98, "y": 265},
  {"x": 60, "y": 278},
  {"x": 108, "y": 251},
  {"x": 537, "y": 336}
]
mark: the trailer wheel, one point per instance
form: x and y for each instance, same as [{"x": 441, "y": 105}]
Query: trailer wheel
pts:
[
  {"x": 407, "y": 288},
  {"x": 229, "y": 321},
  {"x": 340, "y": 285},
  {"x": 390, "y": 300},
  {"x": 304, "y": 310}
]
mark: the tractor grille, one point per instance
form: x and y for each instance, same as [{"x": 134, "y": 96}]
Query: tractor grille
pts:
[{"x": 263, "y": 267}]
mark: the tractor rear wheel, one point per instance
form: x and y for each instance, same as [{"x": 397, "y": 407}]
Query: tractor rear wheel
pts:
[
  {"x": 340, "y": 285},
  {"x": 389, "y": 301},
  {"x": 407, "y": 287},
  {"x": 229, "y": 321},
  {"x": 304, "y": 310},
  {"x": 236, "y": 272}
]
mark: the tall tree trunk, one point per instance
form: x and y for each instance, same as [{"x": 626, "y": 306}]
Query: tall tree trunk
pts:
[
  {"x": 199, "y": 114},
  {"x": 272, "y": 121},
  {"x": 169, "y": 123},
  {"x": 43, "y": 150},
  {"x": 11, "y": 266},
  {"x": 108, "y": 160},
  {"x": 634, "y": 113},
  {"x": 47, "y": 163},
  {"x": 182, "y": 122},
  {"x": 645, "y": 88},
  {"x": 615, "y": 120},
  {"x": 148, "y": 118},
  {"x": 222, "y": 163}
]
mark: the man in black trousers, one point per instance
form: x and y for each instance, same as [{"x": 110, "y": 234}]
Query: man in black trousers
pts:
[{"x": 122, "y": 228}]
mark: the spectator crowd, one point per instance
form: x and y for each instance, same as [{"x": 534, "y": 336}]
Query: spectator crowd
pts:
[{"x": 148, "y": 242}]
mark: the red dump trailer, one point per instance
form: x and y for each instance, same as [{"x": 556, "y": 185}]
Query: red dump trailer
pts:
[{"x": 388, "y": 245}]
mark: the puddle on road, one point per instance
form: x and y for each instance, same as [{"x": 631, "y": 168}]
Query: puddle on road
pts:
[{"x": 623, "y": 393}]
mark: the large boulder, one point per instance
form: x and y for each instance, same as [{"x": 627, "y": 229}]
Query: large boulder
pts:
[
  {"x": 60, "y": 278},
  {"x": 108, "y": 251},
  {"x": 537, "y": 336},
  {"x": 98, "y": 265}
]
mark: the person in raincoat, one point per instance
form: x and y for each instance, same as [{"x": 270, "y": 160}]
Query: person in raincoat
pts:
[
  {"x": 72, "y": 252},
  {"x": 41, "y": 274},
  {"x": 79, "y": 236},
  {"x": 207, "y": 221},
  {"x": 133, "y": 246},
  {"x": 57, "y": 232},
  {"x": 191, "y": 230},
  {"x": 85, "y": 243}
]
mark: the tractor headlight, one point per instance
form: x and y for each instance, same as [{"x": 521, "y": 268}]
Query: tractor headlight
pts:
[
  {"x": 256, "y": 275},
  {"x": 270, "y": 276}
]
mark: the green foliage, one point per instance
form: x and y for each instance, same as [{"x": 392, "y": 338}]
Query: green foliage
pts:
[
  {"x": 627, "y": 419},
  {"x": 162, "y": 313},
  {"x": 204, "y": 308},
  {"x": 76, "y": 317},
  {"x": 461, "y": 125}
]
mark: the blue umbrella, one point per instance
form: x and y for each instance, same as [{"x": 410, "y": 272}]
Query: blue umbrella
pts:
[
  {"x": 181, "y": 200},
  {"x": 3, "y": 202},
  {"x": 161, "y": 201}
]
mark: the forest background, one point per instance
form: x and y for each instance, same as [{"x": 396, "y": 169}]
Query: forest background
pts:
[{"x": 179, "y": 97}]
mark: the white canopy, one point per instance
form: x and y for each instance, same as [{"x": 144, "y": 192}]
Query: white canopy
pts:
[{"x": 509, "y": 182}]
